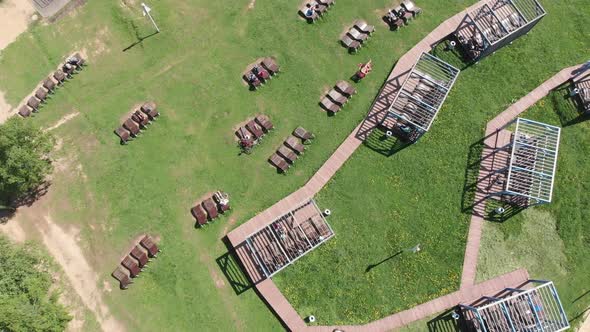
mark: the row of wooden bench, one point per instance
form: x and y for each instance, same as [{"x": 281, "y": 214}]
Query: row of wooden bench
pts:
[
  {"x": 290, "y": 150},
  {"x": 357, "y": 35},
  {"x": 251, "y": 133},
  {"x": 337, "y": 97},
  {"x": 137, "y": 121},
  {"x": 209, "y": 209},
  {"x": 135, "y": 261},
  {"x": 399, "y": 16},
  {"x": 72, "y": 64},
  {"x": 260, "y": 73}
]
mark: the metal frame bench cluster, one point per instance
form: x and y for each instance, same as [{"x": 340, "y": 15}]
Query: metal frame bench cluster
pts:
[
  {"x": 257, "y": 74},
  {"x": 72, "y": 65},
  {"x": 291, "y": 149},
  {"x": 138, "y": 120},
  {"x": 135, "y": 261},
  {"x": 209, "y": 209},
  {"x": 252, "y": 132},
  {"x": 315, "y": 9},
  {"x": 357, "y": 35},
  {"x": 399, "y": 16},
  {"x": 336, "y": 98}
]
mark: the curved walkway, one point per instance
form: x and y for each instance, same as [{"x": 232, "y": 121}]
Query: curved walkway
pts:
[{"x": 469, "y": 291}]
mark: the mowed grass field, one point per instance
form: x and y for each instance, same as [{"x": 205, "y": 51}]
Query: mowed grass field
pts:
[
  {"x": 383, "y": 204},
  {"x": 113, "y": 193}
]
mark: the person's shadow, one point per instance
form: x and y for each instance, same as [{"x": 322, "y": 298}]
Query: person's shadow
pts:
[
  {"x": 372, "y": 266},
  {"x": 139, "y": 41}
]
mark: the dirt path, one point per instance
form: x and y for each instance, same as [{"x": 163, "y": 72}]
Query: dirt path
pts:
[
  {"x": 63, "y": 120},
  {"x": 586, "y": 325},
  {"x": 63, "y": 246}
]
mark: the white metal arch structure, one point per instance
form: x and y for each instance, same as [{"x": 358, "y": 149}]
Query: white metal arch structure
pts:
[
  {"x": 533, "y": 309},
  {"x": 533, "y": 160},
  {"x": 423, "y": 92}
]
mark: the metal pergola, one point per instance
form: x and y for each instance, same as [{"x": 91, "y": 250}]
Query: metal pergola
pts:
[
  {"x": 288, "y": 238},
  {"x": 422, "y": 94},
  {"x": 533, "y": 161},
  {"x": 536, "y": 309},
  {"x": 582, "y": 91},
  {"x": 497, "y": 23}
]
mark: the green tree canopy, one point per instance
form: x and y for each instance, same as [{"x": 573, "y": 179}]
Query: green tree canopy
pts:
[
  {"x": 24, "y": 161},
  {"x": 26, "y": 302}
]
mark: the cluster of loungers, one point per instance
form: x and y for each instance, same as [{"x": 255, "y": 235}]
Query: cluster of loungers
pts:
[
  {"x": 336, "y": 98},
  {"x": 261, "y": 72},
  {"x": 291, "y": 149},
  {"x": 209, "y": 209},
  {"x": 358, "y": 34},
  {"x": 251, "y": 133},
  {"x": 315, "y": 9},
  {"x": 135, "y": 261},
  {"x": 72, "y": 64},
  {"x": 402, "y": 14},
  {"x": 137, "y": 121}
]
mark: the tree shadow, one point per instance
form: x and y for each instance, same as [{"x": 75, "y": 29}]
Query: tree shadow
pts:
[
  {"x": 229, "y": 264},
  {"x": 386, "y": 145},
  {"x": 140, "y": 40},
  {"x": 32, "y": 196}
]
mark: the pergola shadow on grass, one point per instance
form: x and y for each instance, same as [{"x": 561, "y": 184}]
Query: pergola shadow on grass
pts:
[
  {"x": 496, "y": 24},
  {"x": 230, "y": 266},
  {"x": 384, "y": 144},
  {"x": 566, "y": 106}
]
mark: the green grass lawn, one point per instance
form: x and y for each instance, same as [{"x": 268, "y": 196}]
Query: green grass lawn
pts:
[
  {"x": 381, "y": 205},
  {"x": 192, "y": 69},
  {"x": 384, "y": 204}
]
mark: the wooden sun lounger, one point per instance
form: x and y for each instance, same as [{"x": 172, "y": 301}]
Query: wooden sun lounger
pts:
[
  {"x": 131, "y": 265},
  {"x": 200, "y": 215},
  {"x": 148, "y": 243},
  {"x": 321, "y": 9},
  {"x": 294, "y": 143},
  {"x": 122, "y": 278},
  {"x": 140, "y": 255},
  {"x": 211, "y": 208},
  {"x": 303, "y": 134},
  {"x": 393, "y": 20},
  {"x": 364, "y": 27},
  {"x": 123, "y": 134},
  {"x": 253, "y": 80},
  {"x": 255, "y": 129},
  {"x": 261, "y": 73},
  {"x": 41, "y": 94},
  {"x": 33, "y": 103},
  {"x": 68, "y": 69},
  {"x": 337, "y": 97},
  {"x": 264, "y": 121},
  {"x": 151, "y": 109},
  {"x": 221, "y": 206},
  {"x": 287, "y": 153},
  {"x": 271, "y": 65},
  {"x": 132, "y": 126},
  {"x": 350, "y": 43},
  {"x": 49, "y": 84},
  {"x": 59, "y": 76},
  {"x": 141, "y": 118},
  {"x": 77, "y": 60},
  {"x": 327, "y": 2},
  {"x": 330, "y": 106},
  {"x": 357, "y": 35},
  {"x": 345, "y": 88},
  {"x": 24, "y": 111},
  {"x": 403, "y": 13},
  {"x": 278, "y": 162},
  {"x": 410, "y": 6}
]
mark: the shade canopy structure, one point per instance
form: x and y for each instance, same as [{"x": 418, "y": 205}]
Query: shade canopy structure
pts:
[
  {"x": 421, "y": 95},
  {"x": 534, "y": 307},
  {"x": 288, "y": 238},
  {"x": 582, "y": 92},
  {"x": 496, "y": 24},
  {"x": 533, "y": 161}
]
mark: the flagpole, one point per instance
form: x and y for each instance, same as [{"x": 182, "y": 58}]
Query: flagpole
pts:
[{"x": 146, "y": 11}]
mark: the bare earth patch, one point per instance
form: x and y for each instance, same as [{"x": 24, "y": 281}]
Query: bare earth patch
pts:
[
  {"x": 13, "y": 230},
  {"x": 63, "y": 120},
  {"x": 15, "y": 16},
  {"x": 251, "y": 4}
]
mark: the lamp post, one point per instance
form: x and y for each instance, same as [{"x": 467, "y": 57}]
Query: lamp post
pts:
[{"x": 146, "y": 11}]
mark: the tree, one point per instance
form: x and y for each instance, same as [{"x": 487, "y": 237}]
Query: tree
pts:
[
  {"x": 24, "y": 158},
  {"x": 26, "y": 301}
]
